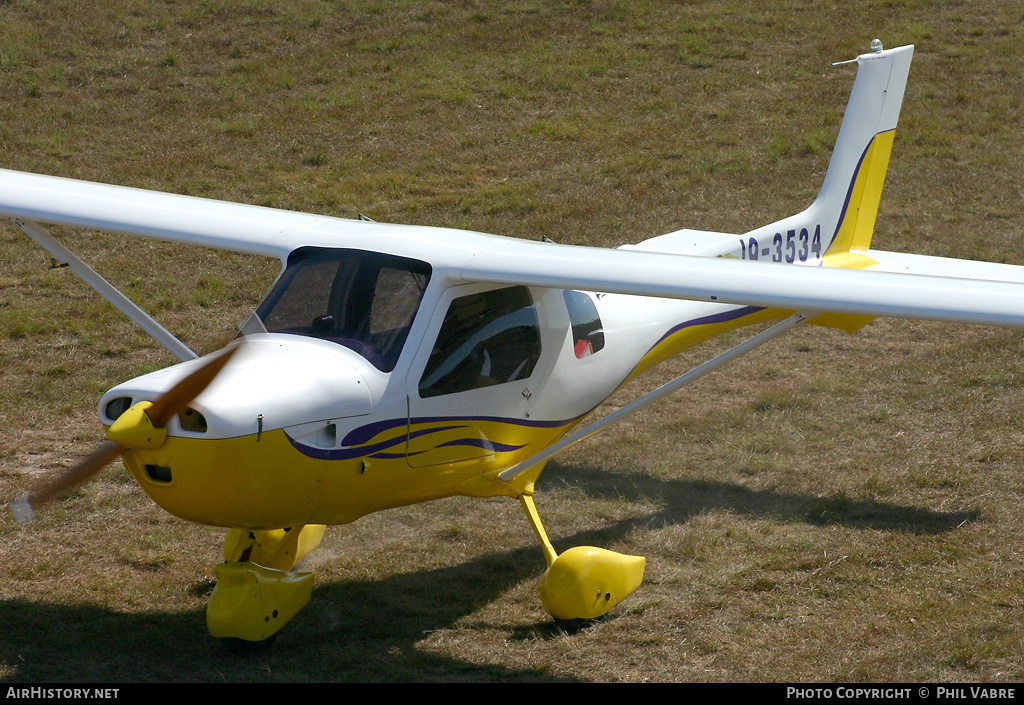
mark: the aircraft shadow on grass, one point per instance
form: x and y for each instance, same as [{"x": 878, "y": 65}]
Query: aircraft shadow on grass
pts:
[
  {"x": 371, "y": 630},
  {"x": 682, "y": 499}
]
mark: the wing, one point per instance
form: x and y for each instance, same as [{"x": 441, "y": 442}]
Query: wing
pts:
[
  {"x": 981, "y": 292},
  {"x": 163, "y": 216},
  {"x": 831, "y": 270},
  {"x": 900, "y": 285}
]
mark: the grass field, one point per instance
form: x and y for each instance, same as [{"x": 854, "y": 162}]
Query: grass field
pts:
[{"x": 836, "y": 508}]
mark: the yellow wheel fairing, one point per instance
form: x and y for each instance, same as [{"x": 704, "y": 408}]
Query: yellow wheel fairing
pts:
[
  {"x": 586, "y": 582},
  {"x": 252, "y": 602}
]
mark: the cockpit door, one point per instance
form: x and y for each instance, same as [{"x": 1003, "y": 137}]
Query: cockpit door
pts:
[{"x": 469, "y": 392}]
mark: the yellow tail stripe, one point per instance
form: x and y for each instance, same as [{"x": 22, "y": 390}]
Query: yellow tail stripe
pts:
[{"x": 854, "y": 235}]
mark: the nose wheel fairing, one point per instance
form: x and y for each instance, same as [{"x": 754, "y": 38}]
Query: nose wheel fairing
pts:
[
  {"x": 258, "y": 592},
  {"x": 252, "y": 602}
]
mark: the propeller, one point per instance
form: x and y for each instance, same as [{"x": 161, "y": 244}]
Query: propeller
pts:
[{"x": 161, "y": 411}]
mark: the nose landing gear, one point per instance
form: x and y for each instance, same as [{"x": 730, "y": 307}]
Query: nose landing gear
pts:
[{"x": 257, "y": 591}]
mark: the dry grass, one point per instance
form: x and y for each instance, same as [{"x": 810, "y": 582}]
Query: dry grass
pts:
[{"x": 838, "y": 508}]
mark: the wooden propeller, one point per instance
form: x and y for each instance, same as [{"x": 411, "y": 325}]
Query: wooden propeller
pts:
[{"x": 172, "y": 402}]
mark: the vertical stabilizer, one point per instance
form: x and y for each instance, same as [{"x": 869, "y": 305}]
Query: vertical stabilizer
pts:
[
  {"x": 856, "y": 173},
  {"x": 842, "y": 218}
]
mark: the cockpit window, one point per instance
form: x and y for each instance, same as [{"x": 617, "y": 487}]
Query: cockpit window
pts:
[
  {"x": 587, "y": 331},
  {"x": 486, "y": 339},
  {"x": 365, "y": 301}
]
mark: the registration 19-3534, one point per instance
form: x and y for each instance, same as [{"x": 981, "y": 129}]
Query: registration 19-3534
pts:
[{"x": 793, "y": 246}]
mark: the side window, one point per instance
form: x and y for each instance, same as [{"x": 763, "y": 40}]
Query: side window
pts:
[
  {"x": 486, "y": 339},
  {"x": 587, "y": 332}
]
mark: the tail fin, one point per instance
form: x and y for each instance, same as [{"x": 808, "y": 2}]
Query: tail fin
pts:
[
  {"x": 836, "y": 229},
  {"x": 856, "y": 174}
]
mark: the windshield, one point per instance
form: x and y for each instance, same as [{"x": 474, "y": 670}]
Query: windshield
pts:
[{"x": 363, "y": 300}]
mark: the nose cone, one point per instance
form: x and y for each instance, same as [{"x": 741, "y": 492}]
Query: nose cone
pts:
[
  {"x": 273, "y": 382},
  {"x": 237, "y": 468}
]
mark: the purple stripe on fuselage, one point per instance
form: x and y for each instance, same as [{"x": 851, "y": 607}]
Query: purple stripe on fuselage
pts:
[
  {"x": 351, "y": 449},
  {"x": 709, "y": 320},
  {"x": 483, "y": 443}
]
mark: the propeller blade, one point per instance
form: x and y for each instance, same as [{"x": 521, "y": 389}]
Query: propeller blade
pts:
[
  {"x": 180, "y": 395},
  {"x": 163, "y": 409},
  {"x": 24, "y": 506}
]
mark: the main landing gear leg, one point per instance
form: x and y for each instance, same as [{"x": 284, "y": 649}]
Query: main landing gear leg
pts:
[
  {"x": 583, "y": 582},
  {"x": 257, "y": 591}
]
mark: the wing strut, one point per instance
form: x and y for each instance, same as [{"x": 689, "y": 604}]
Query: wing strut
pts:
[
  {"x": 105, "y": 289},
  {"x": 662, "y": 391}
]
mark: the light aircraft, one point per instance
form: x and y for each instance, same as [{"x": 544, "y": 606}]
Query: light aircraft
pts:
[{"x": 392, "y": 364}]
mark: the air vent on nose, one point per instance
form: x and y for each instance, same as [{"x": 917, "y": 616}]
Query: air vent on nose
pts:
[
  {"x": 117, "y": 406},
  {"x": 192, "y": 420},
  {"x": 158, "y": 473}
]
